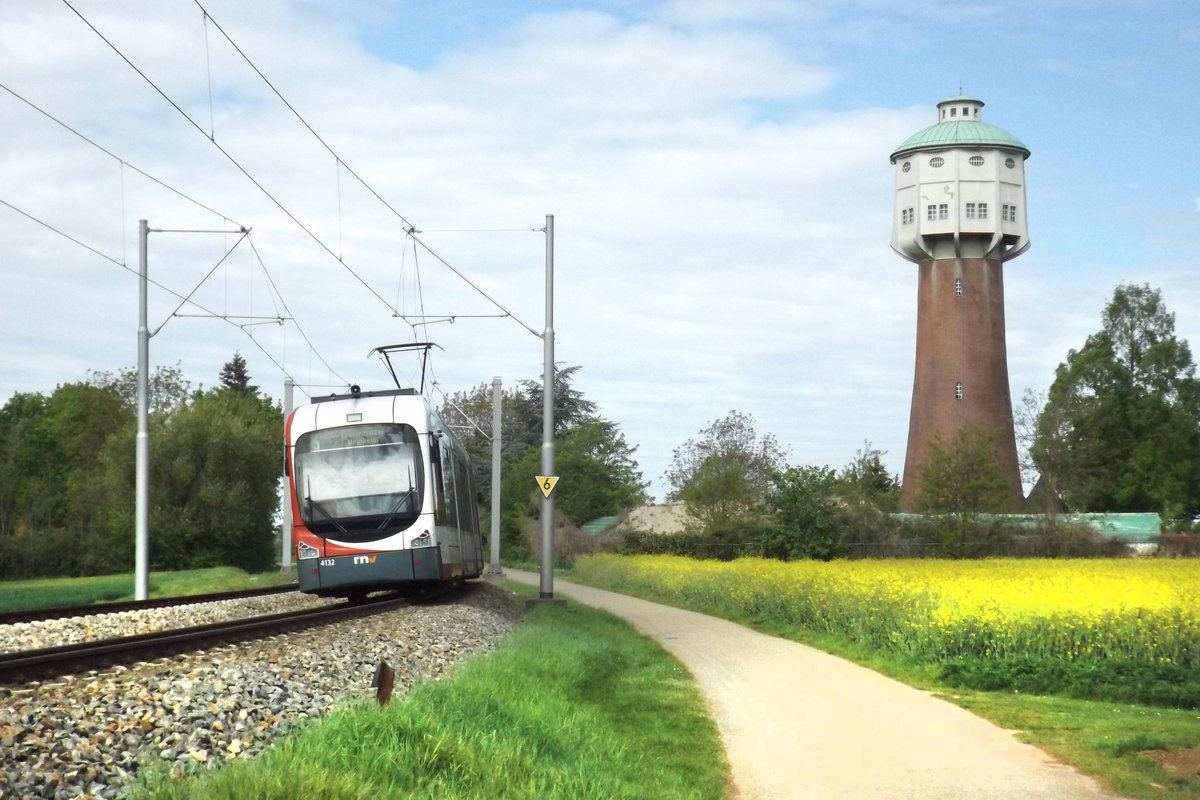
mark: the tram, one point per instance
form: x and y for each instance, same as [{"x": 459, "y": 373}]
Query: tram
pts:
[{"x": 382, "y": 494}]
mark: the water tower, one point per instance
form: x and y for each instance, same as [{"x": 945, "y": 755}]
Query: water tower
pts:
[{"x": 960, "y": 214}]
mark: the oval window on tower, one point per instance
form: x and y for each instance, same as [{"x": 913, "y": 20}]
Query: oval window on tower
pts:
[
  {"x": 937, "y": 161},
  {"x": 976, "y": 161},
  {"x": 906, "y": 167},
  {"x": 1010, "y": 163}
]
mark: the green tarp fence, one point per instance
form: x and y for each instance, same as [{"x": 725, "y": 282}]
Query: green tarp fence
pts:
[{"x": 1128, "y": 527}]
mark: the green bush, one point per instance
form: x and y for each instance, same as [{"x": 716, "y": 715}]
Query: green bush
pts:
[
  {"x": 690, "y": 544},
  {"x": 1162, "y": 684}
]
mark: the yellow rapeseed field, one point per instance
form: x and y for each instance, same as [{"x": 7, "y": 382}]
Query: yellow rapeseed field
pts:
[{"x": 1142, "y": 610}]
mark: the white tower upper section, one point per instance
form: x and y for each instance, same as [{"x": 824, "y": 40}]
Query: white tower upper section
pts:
[{"x": 960, "y": 188}]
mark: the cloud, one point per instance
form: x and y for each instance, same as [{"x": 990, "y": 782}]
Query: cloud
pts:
[{"x": 722, "y": 206}]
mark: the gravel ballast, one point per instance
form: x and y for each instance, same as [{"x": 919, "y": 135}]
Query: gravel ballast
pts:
[{"x": 88, "y": 735}]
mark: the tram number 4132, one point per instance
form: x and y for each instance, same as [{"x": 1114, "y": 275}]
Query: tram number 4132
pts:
[{"x": 327, "y": 562}]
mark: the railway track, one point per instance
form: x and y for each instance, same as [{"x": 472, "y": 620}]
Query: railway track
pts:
[
  {"x": 62, "y": 612},
  {"x": 52, "y": 662}
]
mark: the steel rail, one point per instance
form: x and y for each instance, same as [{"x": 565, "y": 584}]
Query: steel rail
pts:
[
  {"x": 61, "y": 612},
  {"x": 69, "y": 659}
]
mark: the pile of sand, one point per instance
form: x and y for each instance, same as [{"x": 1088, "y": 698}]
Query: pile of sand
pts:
[{"x": 668, "y": 518}]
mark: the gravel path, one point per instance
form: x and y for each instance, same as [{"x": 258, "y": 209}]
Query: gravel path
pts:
[
  {"x": 86, "y": 736},
  {"x": 800, "y": 723}
]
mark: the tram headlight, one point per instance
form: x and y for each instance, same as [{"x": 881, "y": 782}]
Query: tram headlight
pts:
[
  {"x": 420, "y": 541},
  {"x": 306, "y": 551}
]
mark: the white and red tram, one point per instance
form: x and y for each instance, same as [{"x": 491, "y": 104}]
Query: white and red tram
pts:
[{"x": 382, "y": 495}]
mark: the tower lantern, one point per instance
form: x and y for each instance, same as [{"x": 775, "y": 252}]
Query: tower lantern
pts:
[{"x": 959, "y": 215}]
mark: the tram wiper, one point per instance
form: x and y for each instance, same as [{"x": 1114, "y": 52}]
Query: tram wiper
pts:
[
  {"x": 316, "y": 504},
  {"x": 402, "y": 500},
  {"x": 404, "y": 497}
]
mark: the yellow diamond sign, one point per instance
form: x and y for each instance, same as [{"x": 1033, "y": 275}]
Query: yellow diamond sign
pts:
[{"x": 547, "y": 483}]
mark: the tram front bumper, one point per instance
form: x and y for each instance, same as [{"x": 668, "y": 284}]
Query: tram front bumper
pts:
[{"x": 367, "y": 571}]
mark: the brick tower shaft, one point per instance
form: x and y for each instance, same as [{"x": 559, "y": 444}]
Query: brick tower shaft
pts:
[{"x": 961, "y": 376}]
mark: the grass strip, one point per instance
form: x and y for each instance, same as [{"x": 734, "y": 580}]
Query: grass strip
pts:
[
  {"x": 213, "y": 579},
  {"x": 1115, "y": 742},
  {"x": 26, "y": 595},
  {"x": 573, "y": 704},
  {"x": 36, "y": 593}
]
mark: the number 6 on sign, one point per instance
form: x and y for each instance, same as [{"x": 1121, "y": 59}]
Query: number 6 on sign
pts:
[{"x": 547, "y": 483}]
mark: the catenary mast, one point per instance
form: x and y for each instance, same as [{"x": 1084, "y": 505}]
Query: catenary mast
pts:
[{"x": 960, "y": 214}]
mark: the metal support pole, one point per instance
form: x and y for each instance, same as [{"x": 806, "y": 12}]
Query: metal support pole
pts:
[
  {"x": 285, "y": 560},
  {"x": 547, "y": 575},
  {"x": 141, "y": 582},
  {"x": 494, "y": 567}
]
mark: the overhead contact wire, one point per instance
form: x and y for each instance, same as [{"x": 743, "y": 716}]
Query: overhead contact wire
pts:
[
  {"x": 233, "y": 160},
  {"x": 303, "y": 335},
  {"x": 410, "y": 229},
  {"x": 123, "y": 165},
  {"x": 116, "y": 157}
]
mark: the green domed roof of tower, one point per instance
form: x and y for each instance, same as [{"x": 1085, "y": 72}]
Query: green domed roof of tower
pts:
[{"x": 956, "y": 131}]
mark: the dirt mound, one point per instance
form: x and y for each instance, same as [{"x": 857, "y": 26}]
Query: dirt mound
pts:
[
  {"x": 667, "y": 518},
  {"x": 1183, "y": 763}
]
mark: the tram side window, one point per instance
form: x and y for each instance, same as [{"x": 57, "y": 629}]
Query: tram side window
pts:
[
  {"x": 449, "y": 479},
  {"x": 463, "y": 492},
  {"x": 439, "y": 485}
]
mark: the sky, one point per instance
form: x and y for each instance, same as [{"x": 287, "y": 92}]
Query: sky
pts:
[{"x": 718, "y": 174}]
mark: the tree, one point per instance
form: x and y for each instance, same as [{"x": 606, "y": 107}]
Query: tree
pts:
[
  {"x": 865, "y": 481},
  {"x": 469, "y": 413},
  {"x": 962, "y": 479},
  {"x": 215, "y": 468},
  {"x": 598, "y": 474},
  {"x": 29, "y": 499},
  {"x": 1123, "y": 415},
  {"x": 234, "y": 376},
  {"x": 721, "y": 477},
  {"x": 67, "y": 466},
  {"x": 50, "y": 489},
  {"x": 168, "y": 388},
  {"x": 867, "y": 497},
  {"x": 1041, "y": 434},
  {"x": 571, "y": 408},
  {"x": 803, "y": 523}
]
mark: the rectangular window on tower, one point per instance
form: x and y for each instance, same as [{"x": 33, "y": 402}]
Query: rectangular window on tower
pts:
[
  {"x": 983, "y": 210},
  {"x": 943, "y": 211},
  {"x": 931, "y": 212},
  {"x": 958, "y": 391},
  {"x": 958, "y": 287},
  {"x": 970, "y": 211}
]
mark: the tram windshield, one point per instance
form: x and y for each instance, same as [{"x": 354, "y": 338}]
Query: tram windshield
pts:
[{"x": 359, "y": 477}]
